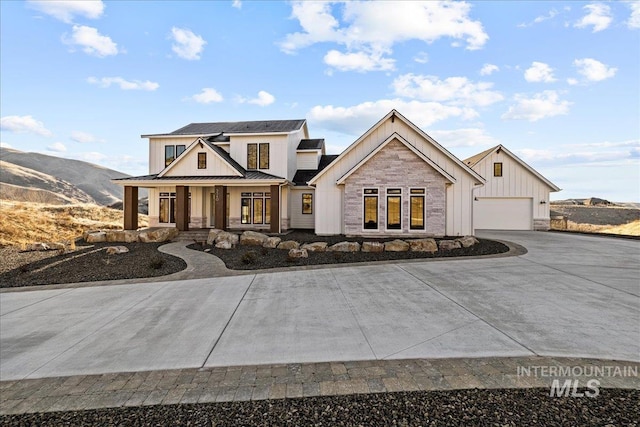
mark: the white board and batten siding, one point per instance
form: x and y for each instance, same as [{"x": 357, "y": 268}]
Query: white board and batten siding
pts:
[
  {"x": 505, "y": 197},
  {"x": 329, "y": 197},
  {"x": 308, "y": 159},
  {"x": 156, "y": 150},
  {"x": 299, "y": 219}
]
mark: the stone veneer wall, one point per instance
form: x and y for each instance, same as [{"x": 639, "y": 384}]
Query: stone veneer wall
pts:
[
  {"x": 541, "y": 224},
  {"x": 395, "y": 166}
]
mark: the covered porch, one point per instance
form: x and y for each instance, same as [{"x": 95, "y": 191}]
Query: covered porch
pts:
[{"x": 241, "y": 205}]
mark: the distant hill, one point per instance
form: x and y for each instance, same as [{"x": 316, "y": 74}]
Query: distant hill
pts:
[{"x": 49, "y": 179}]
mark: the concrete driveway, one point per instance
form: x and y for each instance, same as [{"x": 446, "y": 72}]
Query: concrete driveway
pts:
[{"x": 570, "y": 295}]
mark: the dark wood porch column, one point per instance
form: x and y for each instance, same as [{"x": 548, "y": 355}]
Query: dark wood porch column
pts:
[
  {"x": 220, "y": 195},
  {"x": 275, "y": 209},
  {"x": 130, "y": 205},
  {"x": 182, "y": 207}
]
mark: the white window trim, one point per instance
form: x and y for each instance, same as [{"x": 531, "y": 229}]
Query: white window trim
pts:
[{"x": 370, "y": 230}]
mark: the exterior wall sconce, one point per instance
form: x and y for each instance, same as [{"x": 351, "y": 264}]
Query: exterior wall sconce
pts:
[
  {"x": 475, "y": 199},
  {"x": 542, "y": 202}
]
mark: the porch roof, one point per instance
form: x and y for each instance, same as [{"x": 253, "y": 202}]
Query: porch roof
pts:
[{"x": 251, "y": 177}]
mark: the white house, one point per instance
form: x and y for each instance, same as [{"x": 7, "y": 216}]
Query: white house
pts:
[{"x": 270, "y": 176}]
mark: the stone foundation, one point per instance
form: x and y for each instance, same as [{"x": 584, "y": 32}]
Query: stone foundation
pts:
[{"x": 541, "y": 224}]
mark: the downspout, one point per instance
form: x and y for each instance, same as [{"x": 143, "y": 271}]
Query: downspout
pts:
[{"x": 473, "y": 206}]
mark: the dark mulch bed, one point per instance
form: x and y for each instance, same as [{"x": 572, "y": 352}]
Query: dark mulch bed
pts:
[
  {"x": 255, "y": 257},
  {"x": 89, "y": 262},
  {"x": 505, "y": 407}
]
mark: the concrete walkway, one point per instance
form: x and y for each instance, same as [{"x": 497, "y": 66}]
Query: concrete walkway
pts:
[
  {"x": 242, "y": 383},
  {"x": 572, "y": 296}
]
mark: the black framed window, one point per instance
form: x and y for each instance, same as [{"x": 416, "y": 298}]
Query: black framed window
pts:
[
  {"x": 394, "y": 209},
  {"x": 255, "y": 208},
  {"x": 167, "y": 214},
  {"x": 180, "y": 149},
  {"x": 307, "y": 203},
  {"x": 264, "y": 156},
  {"x": 416, "y": 208},
  {"x": 252, "y": 156},
  {"x": 370, "y": 214},
  {"x": 497, "y": 169},
  {"x": 202, "y": 160},
  {"x": 169, "y": 154},
  {"x": 245, "y": 208}
]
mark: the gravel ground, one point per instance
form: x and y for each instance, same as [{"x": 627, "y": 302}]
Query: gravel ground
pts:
[
  {"x": 254, "y": 257},
  {"x": 89, "y": 262},
  {"x": 496, "y": 407},
  {"x": 597, "y": 215}
]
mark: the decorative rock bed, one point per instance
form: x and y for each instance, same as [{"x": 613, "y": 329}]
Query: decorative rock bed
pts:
[{"x": 226, "y": 240}]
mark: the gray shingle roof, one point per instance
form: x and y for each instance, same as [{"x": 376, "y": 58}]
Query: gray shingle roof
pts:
[
  {"x": 471, "y": 161},
  {"x": 311, "y": 144},
  {"x": 249, "y": 175},
  {"x": 258, "y": 126},
  {"x": 303, "y": 176}
]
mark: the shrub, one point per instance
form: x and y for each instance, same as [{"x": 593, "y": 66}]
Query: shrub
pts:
[
  {"x": 156, "y": 263},
  {"x": 249, "y": 257}
]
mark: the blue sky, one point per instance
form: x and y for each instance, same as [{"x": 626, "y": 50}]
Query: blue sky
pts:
[{"x": 558, "y": 83}]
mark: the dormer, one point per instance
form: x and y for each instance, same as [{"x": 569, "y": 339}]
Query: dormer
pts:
[{"x": 309, "y": 153}]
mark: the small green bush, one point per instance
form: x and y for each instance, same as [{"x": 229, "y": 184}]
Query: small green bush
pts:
[
  {"x": 249, "y": 257},
  {"x": 156, "y": 263}
]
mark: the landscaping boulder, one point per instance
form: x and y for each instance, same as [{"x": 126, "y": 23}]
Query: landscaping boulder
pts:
[
  {"x": 224, "y": 244},
  {"x": 289, "y": 244},
  {"x": 213, "y": 233},
  {"x": 467, "y": 241},
  {"x": 447, "y": 245},
  {"x": 298, "y": 253},
  {"x": 126, "y": 236},
  {"x": 96, "y": 237},
  {"x": 423, "y": 245},
  {"x": 56, "y": 246},
  {"x": 372, "y": 247},
  {"x": 117, "y": 250},
  {"x": 396, "y": 246},
  {"x": 225, "y": 236},
  {"x": 345, "y": 247},
  {"x": 158, "y": 234},
  {"x": 315, "y": 246},
  {"x": 38, "y": 246},
  {"x": 271, "y": 242},
  {"x": 252, "y": 238}
]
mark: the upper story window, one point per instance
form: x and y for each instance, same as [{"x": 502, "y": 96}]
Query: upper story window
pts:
[
  {"x": 258, "y": 156},
  {"x": 497, "y": 169},
  {"x": 202, "y": 160},
  {"x": 171, "y": 152}
]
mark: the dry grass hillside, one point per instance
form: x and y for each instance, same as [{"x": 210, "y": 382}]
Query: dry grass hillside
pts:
[
  {"x": 605, "y": 217},
  {"x": 25, "y": 222}
]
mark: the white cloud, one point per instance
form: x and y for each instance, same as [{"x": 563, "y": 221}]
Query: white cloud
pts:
[
  {"x": 5, "y": 145},
  {"x": 186, "y": 44},
  {"x": 124, "y": 84},
  {"x": 356, "y": 119},
  {"x": 82, "y": 137},
  {"x": 358, "y": 61},
  {"x": 539, "y": 72},
  {"x": 237, "y": 4},
  {"x": 362, "y": 23},
  {"x": 421, "y": 58},
  {"x": 456, "y": 90},
  {"x": 207, "y": 96},
  {"x": 488, "y": 69},
  {"x": 552, "y": 14},
  {"x": 24, "y": 124},
  {"x": 541, "y": 105},
  {"x": 264, "y": 98},
  {"x": 572, "y": 81},
  {"x": 57, "y": 147},
  {"x": 91, "y": 41},
  {"x": 65, "y": 11},
  {"x": 594, "y": 70},
  {"x": 634, "y": 19},
  {"x": 599, "y": 17},
  {"x": 585, "y": 153},
  {"x": 467, "y": 137}
]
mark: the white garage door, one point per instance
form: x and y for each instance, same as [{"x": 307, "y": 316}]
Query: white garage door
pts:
[{"x": 502, "y": 213}]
